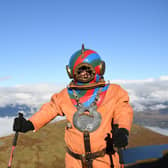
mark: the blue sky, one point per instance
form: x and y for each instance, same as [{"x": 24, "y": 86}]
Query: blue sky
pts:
[{"x": 37, "y": 38}]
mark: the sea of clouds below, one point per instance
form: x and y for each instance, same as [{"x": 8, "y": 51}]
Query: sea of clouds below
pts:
[{"x": 150, "y": 94}]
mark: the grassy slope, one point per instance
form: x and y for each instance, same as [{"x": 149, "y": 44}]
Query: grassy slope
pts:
[
  {"x": 46, "y": 148},
  {"x": 43, "y": 149}
]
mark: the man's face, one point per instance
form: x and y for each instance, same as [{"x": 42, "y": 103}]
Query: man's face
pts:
[{"x": 84, "y": 73}]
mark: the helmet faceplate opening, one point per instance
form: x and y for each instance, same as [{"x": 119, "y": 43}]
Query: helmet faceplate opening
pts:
[{"x": 84, "y": 72}]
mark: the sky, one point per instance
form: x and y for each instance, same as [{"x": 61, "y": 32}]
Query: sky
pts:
[{"x": 38, "y": 37}]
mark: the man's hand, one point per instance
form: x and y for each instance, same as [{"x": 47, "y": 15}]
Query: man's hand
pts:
[
  {"x": 22, "y": 125},
  {"x": 120, "y": 137}
]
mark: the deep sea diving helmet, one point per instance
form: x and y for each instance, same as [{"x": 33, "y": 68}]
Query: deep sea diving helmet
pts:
[{"x": 86, "y": 60}]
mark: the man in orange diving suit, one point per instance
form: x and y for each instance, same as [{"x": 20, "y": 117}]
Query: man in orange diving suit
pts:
[{"x": 90, "y": 105}]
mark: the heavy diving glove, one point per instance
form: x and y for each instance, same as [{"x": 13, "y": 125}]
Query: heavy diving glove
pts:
[
  {"x": 22, "y": 125},
  {"x": 120, "y": 137}
]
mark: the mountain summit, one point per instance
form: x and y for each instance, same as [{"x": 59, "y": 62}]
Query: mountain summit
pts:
[{"x": 46, "y": 148}]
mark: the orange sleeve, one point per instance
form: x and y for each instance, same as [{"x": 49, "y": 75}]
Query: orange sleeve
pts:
[
  {"x": 123, "y": 114},
  {"x": 47, "y": 112}
]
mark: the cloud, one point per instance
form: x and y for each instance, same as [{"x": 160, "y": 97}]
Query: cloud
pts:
[
  {"x": 32, "y": 95},
  {"x": 6, "y": 124},
  {"x": 148, "y": 94}
]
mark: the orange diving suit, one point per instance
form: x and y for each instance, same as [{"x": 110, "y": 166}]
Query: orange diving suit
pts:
[{"x": 114, "y": 106}]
